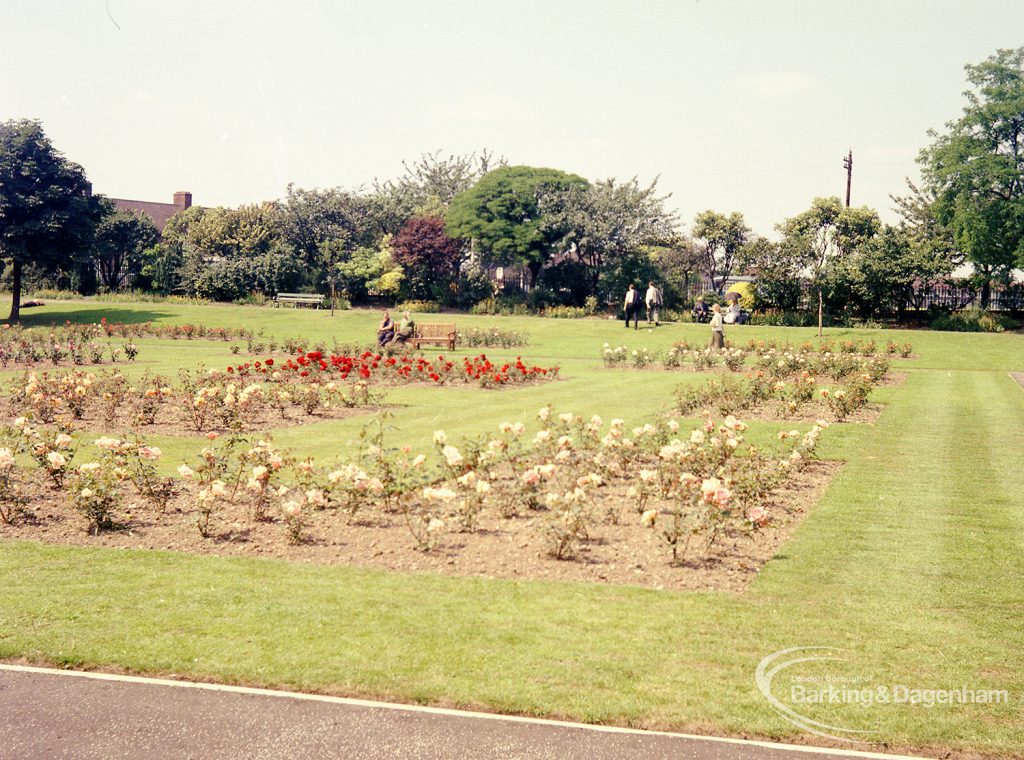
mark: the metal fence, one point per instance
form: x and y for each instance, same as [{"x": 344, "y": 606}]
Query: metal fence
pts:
[{"x": 949, "y": 295}]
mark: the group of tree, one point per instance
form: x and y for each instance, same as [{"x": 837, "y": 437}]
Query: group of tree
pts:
[
  {"x": 969, "y": 209},
  {"x": 435, "y": 232}
]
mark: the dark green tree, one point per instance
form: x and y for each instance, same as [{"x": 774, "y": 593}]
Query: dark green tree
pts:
[
  {"x": 47, "y": 215},
  {"x": 932, "y": 248},
  {"x": 502, "y": 216},
  {"x": 976, "y": 170},
  {"x": 678, "y": 263},
  {"x": 823, "y": 236},
  {"x": 228, "y": 254},
  {"x": 120, "y": 244},
  {"x": 310, "y": 217},
  {"x": 777, "y": 269},
  {"x": 879, "y": 276},
  {"x": 606, "y": 219}
]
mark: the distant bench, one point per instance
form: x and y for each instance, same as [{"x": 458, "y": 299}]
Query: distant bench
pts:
[
  {"x": 443, "y": 335},
  {"x": 299, "y": 299}
]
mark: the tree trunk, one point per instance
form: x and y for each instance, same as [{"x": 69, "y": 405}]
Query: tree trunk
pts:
[
  {"x": 15, "y": 292},
  {"x": 820, "y": 311},
  {"x": 986, "y": 293},
  {"x": 534, "y": 269}
]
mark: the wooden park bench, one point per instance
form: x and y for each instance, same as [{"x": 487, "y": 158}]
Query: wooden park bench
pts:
[
  {"x": 299, "y": 299},
  {"x": 443, "y": 335}
]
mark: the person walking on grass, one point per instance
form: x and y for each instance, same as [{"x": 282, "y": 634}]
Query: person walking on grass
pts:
[
  {"x": 717, "y": 328},
  {"x": 653, "y": 300},
  {"x": 632, "y": 307}
]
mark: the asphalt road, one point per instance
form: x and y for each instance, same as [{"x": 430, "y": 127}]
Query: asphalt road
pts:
[{"x": 49, "y": 714}]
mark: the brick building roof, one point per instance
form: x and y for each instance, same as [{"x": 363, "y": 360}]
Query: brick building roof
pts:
[{"x": 160, "y": 213}]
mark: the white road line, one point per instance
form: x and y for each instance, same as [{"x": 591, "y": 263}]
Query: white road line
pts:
[{"x": 96, "y": 676}]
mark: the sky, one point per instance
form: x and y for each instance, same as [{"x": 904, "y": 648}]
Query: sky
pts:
[{"x": 731, "y": 105}]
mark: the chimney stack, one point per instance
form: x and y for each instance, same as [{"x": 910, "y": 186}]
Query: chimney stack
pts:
[{"x": 183, "y": 199}]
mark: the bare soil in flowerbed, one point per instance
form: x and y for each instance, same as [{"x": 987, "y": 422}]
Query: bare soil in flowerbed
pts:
[
  {"x": 169, "y": 421},
  {"x": 625, "y": 553},
  {"x": 776, "y": 411}
]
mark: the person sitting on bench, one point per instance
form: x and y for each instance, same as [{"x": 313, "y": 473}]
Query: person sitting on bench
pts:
[
  {"x": 406, "y": 329},
  {"x": 700, "y": 311},
  {"x": 385, "y": 330}
]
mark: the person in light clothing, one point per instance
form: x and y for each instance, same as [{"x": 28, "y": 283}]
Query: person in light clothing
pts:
[
  {"x": 717, "y": 328},
  {"x": 653, "y": 300}
]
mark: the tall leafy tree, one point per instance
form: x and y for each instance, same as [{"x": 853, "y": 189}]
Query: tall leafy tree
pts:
[
  {"x": 720, "y": 238},
  {"x": 600, "y": 221},
  {"x": 823, "y": 236},
  {"x": 932, "y": 251},
  {"x": 976, "y": 169},
  {"x": 47, "y": 216},
  {"x": 228, "y": 254},
  {"x": 311, "y": 217},
  {"x": 877, "y": 278},
  {"x": 678, "y": 262},
  {"x": 502, "y": 215},
  {"x": 777, "y": 270},
  {"x": 430, "y": 183},
  {"x": 119, "y": 246}
]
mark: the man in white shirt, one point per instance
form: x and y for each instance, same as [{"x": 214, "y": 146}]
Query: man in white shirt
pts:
[{"x": 631, "y": 305}]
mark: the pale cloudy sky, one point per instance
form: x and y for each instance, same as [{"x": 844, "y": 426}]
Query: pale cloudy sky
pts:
[{"x": 738, "y": 106}]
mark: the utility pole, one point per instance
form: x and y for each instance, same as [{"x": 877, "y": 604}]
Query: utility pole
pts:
[{"x": 848, "y": 165}]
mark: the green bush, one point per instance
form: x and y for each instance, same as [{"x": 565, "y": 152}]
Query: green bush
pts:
[
  {"x": 476, "y": 337},
  {"x": 471, "y": 287},
  {"x": 541, "y": 298},
  {"x": 780, "y": 318},
  {"x": 565, "y": 312},
  {"x": 973, "y": 320},
  {"x": 253, "y": 299},
  {"x": 501, "y": 305},
  {"x": 419, "y": 307},
  {"x": 125, "y": 296}
]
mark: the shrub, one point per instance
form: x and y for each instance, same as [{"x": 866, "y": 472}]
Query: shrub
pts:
[
  {"x": 493, "y": 336},
  {"x": 641, "y": 357},
  {"x": 734, "y": 359},
  {"x": 973, "y": 320},
  {"x": 506, "y": 307},
  {"x": 471, "y": 287},
  {"x": 614, "y": 356},
  {"x": 779, "y": 318},
  {"x": 703, "y": 359},
  {"x": 421, "y": 307},
  {"x": 565, "y": 312},
  {"x": 95, "y": 492},
  {"x": 253, "y": 299},
  {"x": 12, "y": 500}
]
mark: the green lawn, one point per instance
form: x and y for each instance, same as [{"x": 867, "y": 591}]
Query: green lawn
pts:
[{"x": 912, "y": 562}]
